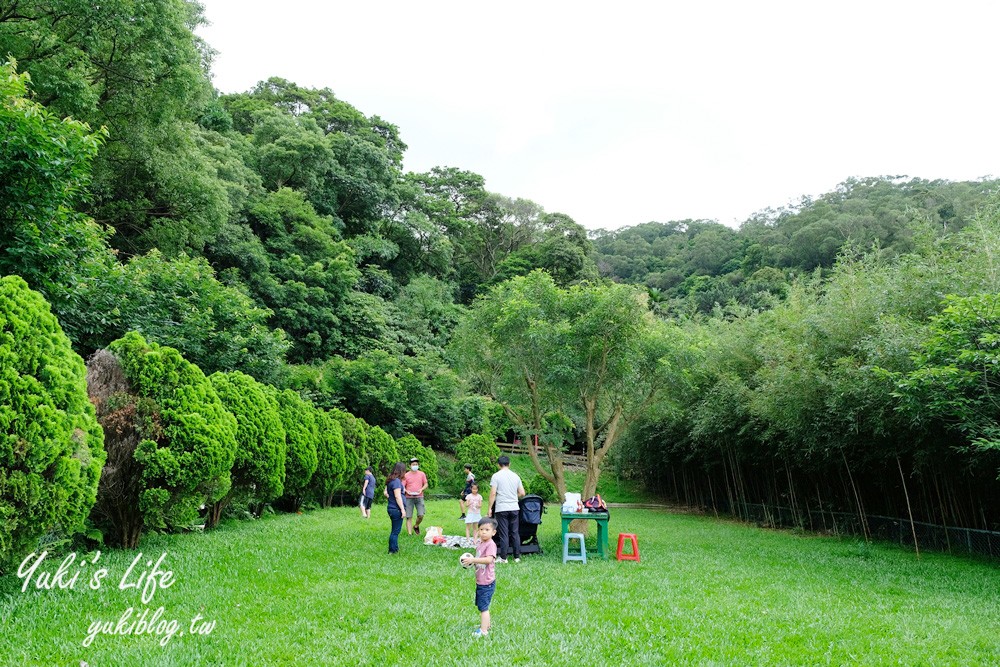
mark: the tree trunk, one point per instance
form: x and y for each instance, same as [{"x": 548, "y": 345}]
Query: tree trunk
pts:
[
  {"x": 127, "y": 526},
  {"x": 214, "y": 513}
]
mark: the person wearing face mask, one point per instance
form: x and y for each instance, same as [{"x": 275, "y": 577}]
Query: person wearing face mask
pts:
[{"x": 414, "y": 485}]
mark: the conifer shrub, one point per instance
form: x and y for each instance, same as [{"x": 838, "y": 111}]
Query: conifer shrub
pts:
[
  {"x": 330, "y": 458},
  {"x": 51, "y": 446},
  {"x": 409, "y": 447},
  {"x": 301, "y": 440},
  {"x": 540, "y": 486},
  {"x": 258, "y": 474},
  {"x": 171, "y": 442},
  {"x": 355, "y": 435},
  {"x": 481, "y": 452},
  {"x": 380, "y": 452}
]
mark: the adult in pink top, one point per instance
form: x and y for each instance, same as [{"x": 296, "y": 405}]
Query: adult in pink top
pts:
[{"x": 414, "y": 485}]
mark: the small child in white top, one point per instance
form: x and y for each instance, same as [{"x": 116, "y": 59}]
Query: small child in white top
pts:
[
  {"x": 467, "y": 489},
  {"x": 473, "y": 509}
]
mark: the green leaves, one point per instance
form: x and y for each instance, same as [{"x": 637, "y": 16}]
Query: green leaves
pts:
[
  {"x": 958, "y": 370},
  {"x": 173, "y": 440},
  {"x": 301, "y": 441},
  {"x": 592, "y": 352},
  {"x": 44, "y": 171},
  {"x": 259, "y": 465},
  {"x": 217, "y": 327},
  {"x": 51, "y": 446}
]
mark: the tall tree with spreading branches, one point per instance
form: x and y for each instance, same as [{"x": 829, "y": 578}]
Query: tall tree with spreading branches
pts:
[{"x": 590, "y": 354}]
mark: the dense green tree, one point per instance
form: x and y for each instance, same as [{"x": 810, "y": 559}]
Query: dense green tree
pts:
[
  {"x": 258, "y": 473},
  {"x": 355, "y": 435},
  {"x": 292, "y": 262},
  {"x": 302, "y": 436},
  {"x": 427, "y": 314},
  {"x": 181, "y": 303},
  {"x": 418, "y": 395},
  {"x": 330, "y": 458},
  {"x": 348, "y": 165},
  {"x": 483, "y": 229},
  {"x": 955, "y": 374},
  {"x": 591, "y": 352},
  {"x": 171, "y": 442},
  {"x": 44, "y": 173},
  {"x": 561, "y": 249},
  {"x": 291, "y": 152},
  {"x": 52, "y": 448},
  {"x": 380, "y": 452},
  {"x": 138, "y": 69}
]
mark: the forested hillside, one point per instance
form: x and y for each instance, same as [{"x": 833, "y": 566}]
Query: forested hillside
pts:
[
  {"x": 841, "y": 348},
  {"x": 692, "y": 265}
]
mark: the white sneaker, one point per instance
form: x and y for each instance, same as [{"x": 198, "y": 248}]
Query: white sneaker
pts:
[
  {"x": 517, "y": 560},
  {"x": 500, "y": 560}
]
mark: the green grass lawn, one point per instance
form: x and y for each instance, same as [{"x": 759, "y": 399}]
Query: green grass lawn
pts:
[{"x": 319, "y": 589}]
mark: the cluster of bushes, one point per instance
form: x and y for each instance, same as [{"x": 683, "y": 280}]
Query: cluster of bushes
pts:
[{"x": 141, "y": 439}]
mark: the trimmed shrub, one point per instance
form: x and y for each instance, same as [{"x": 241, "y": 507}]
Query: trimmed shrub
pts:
[
  {"x": 355, "y": 444},
  {"x": 51, "y": 446},
  {"x": 329, "y": 456},
  {"x": 540, "y": 486},
  {"x": 258, "y": 473},
  {"x": 409, "y": 447},
  {"x": 381, "y": 452},
  {"x": 301, "y": 437},
  {"x": 171, "y": 442},
  {"x": 481, "y": 452}
]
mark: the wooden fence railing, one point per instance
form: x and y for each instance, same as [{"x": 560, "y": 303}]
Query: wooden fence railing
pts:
[{"x": 569, "y": 460}]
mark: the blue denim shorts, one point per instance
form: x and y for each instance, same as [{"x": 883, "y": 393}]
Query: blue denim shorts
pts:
[{"x": 484, "y": 595}]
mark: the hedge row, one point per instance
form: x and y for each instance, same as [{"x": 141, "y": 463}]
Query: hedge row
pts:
[{"x": 139, "y": 438}]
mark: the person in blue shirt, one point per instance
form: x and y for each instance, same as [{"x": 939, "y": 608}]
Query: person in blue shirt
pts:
[
  {"x": 367, "y": 493},
  {"x": 394, "y": 492}
]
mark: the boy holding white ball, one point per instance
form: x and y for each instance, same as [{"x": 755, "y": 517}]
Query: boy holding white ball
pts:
[{"x": 486, "y": 578}]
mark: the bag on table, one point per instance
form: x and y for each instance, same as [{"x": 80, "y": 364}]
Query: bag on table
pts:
[
  {"x": 595, "y": 504},
  {"x": 572, "y": 503}
]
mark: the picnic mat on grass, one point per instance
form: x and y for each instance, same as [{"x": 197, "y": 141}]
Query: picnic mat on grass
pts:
[{"x": 451, "y": 541}]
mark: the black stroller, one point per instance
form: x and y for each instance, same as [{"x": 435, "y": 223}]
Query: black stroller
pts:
[{"x": 532, "y": 508}]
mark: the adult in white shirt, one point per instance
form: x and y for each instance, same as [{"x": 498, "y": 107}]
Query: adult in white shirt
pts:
[{"x": 505, "y": 489}]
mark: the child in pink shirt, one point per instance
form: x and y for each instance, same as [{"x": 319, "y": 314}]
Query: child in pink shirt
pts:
[
  {"x": 473, "y": 509},
  {"x": 486, "y": 577}
]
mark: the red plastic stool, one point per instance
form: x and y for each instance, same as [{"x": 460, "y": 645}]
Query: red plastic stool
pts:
[{"x": 621, "y": 543}]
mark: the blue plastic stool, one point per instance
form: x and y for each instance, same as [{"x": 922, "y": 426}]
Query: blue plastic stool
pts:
[{"x": 583, "y": 548}]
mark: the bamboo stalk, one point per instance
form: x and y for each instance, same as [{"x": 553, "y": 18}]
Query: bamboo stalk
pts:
[
  {"x": 857, "y": 498},
  {"x": 913, "y": 527}
]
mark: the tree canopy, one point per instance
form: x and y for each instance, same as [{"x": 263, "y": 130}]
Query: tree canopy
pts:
[{"x": 590, "y": 357}]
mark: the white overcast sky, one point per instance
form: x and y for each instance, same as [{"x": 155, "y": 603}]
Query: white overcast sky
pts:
[{"x": 621, "y": 113}]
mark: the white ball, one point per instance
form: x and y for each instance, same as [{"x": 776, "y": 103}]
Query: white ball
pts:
[{"x": 463, "y": 558}]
